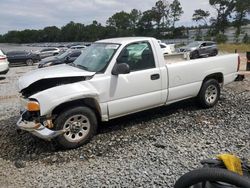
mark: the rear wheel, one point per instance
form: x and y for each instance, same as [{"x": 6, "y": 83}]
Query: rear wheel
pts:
[
  {"x": 209, "y": 93},
  {"x": 29, "y": 62},
  {"x": 214, "y": 53},
  {"x": 81, "y": 125}
]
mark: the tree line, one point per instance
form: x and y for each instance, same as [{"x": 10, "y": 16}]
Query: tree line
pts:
[{"x": 159, "y": 21}]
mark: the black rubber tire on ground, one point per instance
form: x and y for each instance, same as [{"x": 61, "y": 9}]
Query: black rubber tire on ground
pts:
[
  {"x": 29, "y": 62},
  {"x": 194, "y": 55},
  {"x": 212, "y": 174},
  {"x": 66, "y": 115},
  {"x": 209, "y": 93},
  {"x": 214, "y": 53}
]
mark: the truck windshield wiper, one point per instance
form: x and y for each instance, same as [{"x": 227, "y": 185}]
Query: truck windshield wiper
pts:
[
  {"x": 78, "y": 65},
  {"x": 81, "y": 66}
]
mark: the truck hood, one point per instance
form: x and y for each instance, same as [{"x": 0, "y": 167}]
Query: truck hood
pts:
[{"x": 53, "y": 72}]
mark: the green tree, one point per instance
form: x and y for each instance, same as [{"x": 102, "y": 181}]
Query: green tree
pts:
[
  {"x": 51, "y": 34},
  {"x": 200, "y": 15},
  {"x": 246, "y": 39},
  {"x": 175, "y": 11},
  {"x": 242, "y": 8},
  {"x": 146, "y": 23},
  {"x": 70, "y": 31},
  {"x": 221, "y": 38},
  {"x": 94, "y": 31},
  {"x": 120, "y": 20},
  {"x": 224, "y": 9},
  {"x": 135, "y": 16},
  {"x": 158, "y": 13}
]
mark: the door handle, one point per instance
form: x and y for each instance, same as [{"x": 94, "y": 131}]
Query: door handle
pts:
[{"x": 155, "y": 76}]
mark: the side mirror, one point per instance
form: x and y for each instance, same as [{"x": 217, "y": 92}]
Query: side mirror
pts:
[
  {"x": 67, "y": 59},
  {"x": 122, "y": 68}
]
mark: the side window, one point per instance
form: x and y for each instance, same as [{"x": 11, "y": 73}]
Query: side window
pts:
[
  {"x": 210, "y": 44},
  {"x": 138, "y": 56},
  {"x": 203, "y": 44}
]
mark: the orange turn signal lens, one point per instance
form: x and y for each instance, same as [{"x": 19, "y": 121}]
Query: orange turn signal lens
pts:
[{"x": 33, "y": 106}]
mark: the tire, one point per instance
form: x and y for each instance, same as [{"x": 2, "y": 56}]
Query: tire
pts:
[
  {"x": 29, "y": 62},
  {"x": 195, "y": 55},
  {"x": 209, "y": 93},
  {"x": 212, "y": 175},
  {"x": 82, "y": 125},
  {"x": 214, "y": 53}
]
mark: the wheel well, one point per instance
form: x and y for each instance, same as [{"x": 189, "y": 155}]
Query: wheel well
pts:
[
  {"x": 217, "y": 76},
  {"x": 89, "y": 102}
]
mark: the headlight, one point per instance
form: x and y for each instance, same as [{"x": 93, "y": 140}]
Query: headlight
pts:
[{"x": 33, "y": 106}]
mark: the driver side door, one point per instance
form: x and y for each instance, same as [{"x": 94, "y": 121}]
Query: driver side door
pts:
[{"x": 141, "y": 88}]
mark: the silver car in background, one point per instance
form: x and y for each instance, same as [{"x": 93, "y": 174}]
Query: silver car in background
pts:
[
  {"x": 47, "y": 52},
  {"x": 200, "y": 49}
]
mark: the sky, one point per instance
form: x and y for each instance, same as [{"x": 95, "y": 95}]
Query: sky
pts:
[{"x": 30, "y": 14}]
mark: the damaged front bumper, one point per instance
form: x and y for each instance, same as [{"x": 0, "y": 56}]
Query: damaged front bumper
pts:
[{"x": 38, "y": 129}]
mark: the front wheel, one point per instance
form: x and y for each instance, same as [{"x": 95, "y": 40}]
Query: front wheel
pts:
[
  {"x": 29, "y": 62},
  {"x": 81, "y": 125},
  {"x": 209, "y": 93},
  {"x": 194, "y": 55}
]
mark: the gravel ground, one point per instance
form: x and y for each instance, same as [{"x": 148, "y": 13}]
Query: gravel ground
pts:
[{"x": 151, "y": 148}]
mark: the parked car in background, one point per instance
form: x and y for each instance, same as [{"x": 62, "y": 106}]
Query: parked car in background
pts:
[
  {"x": 67, "y": 57},
  {"x": 78, "y": 47},
  {"x": 46, "y": 52},
  {"x": 167, "y": 48},
  {"x": 200, "y": 48},
  {"x": 4, "y": 64},
  {"x": 22, "y": 57}
]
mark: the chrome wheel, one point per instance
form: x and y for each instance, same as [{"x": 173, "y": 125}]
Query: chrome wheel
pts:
[
  {"x": 211, "y": 94},
  {"x": 78, "y": 128}
]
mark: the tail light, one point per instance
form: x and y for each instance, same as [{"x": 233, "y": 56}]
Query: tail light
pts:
[{"x": 238, "y": 68}]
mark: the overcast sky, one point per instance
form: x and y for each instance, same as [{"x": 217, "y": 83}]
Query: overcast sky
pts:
[{"x": 30, "y": 14}]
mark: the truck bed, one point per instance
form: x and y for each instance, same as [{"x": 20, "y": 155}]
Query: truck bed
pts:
[
  {"x": 175, "y": 58},
  {"x": 187, "y": 75}
]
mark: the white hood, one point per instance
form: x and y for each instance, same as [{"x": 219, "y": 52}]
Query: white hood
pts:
[{"x": 57, "y": 71}]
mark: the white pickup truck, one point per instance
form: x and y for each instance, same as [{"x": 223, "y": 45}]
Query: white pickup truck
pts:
[{"x": 113, "y": 78}]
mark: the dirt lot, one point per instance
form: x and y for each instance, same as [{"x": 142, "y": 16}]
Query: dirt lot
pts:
[{"x": 152, "y": 148}]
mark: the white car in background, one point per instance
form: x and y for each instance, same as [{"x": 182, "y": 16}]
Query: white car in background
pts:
[
  {"x": 167, "y": 48},
  {"x": 47, "y": 52},
  {"x": 78, "y": 47},
  {"x": 4, "y": 64}
]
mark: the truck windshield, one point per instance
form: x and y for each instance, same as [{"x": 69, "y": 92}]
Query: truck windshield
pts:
[{"x": 96, "y": 57}]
